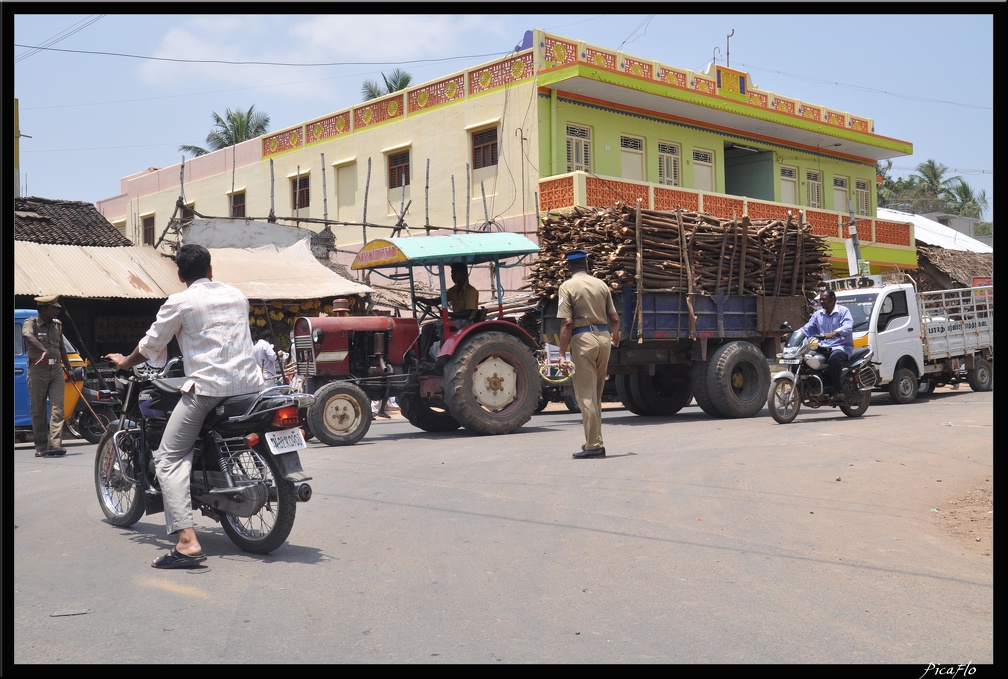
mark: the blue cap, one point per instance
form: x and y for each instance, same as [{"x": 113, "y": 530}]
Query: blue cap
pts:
[{"x": 575, "y": 255}]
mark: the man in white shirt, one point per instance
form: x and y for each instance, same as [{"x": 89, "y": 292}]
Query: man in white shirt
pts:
[
  {"x": 211, "y": 322},
  {"x": 266, "y": 355}
]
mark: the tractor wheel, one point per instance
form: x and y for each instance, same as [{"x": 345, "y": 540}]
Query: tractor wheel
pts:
[
  {"x": 341, "y": 414},
  {"x": 424, "y": 417},
  {"x": 492, "y": 383}
]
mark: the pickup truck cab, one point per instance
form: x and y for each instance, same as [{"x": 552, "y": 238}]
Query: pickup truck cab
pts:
[
  {"x": 922, "y": 339},
  {"x": 22, "y": 411}
]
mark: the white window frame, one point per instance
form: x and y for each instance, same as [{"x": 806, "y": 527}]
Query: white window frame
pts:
[
  {"x": 862, "y": 197},
  {"x": 841, "y": 184},
  {"x": 579, "y": 148},
  {"x": 669, "y": 163},
  {"x": 814, "y": 188}
]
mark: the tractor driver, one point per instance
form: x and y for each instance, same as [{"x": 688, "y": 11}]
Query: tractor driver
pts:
[{"x": 463, "y": 298}]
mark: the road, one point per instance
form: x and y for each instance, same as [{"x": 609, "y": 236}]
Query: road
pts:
[{"x": 695, "y": 541}]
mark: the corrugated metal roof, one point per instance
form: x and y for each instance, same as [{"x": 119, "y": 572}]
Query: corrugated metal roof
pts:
[
  {"x": 931, "y": 232},
  {"x": 92, "y": 271}
]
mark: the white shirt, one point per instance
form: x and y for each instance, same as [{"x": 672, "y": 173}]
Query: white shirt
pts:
[
  {"x": 265, "y": 357},
  {"x": 211, "y": 321}
]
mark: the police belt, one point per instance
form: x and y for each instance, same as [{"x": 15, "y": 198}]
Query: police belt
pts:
[{"x": 602, "y": 327}]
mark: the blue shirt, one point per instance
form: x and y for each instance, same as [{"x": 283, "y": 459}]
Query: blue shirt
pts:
[{"x": 822, "y": 323}]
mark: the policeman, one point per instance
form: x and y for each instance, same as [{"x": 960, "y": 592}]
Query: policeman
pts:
[
  {"x": 47, "y": 359},
  {"x": 585, "y": 306}
]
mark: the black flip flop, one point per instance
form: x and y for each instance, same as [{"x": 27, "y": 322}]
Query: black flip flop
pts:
[{"x": 176, "y": 559}]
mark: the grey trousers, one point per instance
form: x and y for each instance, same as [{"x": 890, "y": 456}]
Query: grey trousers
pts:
[{"x": 175, "y": 454}]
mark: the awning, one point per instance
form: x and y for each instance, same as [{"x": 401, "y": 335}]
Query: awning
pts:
[{"x": 268, "y": 272}]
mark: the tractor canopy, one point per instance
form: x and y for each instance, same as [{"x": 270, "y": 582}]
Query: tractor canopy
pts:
[{"x": 468, "y": 248}]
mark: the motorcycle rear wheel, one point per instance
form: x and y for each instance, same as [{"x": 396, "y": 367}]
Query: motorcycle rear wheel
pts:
[
  {"x": 857, "y": 405},
  {"x": 90, "y": 428},
  {"x": 783, "y": 401},
  {"x": 268, "y": 529},
  {"x": 121, "y": 499}
]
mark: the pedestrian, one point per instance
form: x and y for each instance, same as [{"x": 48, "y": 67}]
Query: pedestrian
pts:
[
  {"x": 266, "y": 355},
  {"x": 210, "y": 320},
  {"x": 589, "y": 328},
  {"x": 378, "y": 408},
  {"x": 47, "y": 361}
]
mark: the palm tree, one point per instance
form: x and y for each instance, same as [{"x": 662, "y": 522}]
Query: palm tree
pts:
[
  {"x": 234, "y": 128},
  {"x": 963, "y": 201},
  {"x": 397, "y": 80},
  {"x": 933, "y": 187}
]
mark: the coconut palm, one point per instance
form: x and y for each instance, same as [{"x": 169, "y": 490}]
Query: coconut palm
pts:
[
  {"x": 234, "y": 128},
  {"x": 963, "y": 201},
  {"x": 397, "y": 80},
  {"x": 933, "y": 187}
]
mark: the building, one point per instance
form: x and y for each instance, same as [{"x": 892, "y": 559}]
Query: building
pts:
[{"x": 556, "y": 123}]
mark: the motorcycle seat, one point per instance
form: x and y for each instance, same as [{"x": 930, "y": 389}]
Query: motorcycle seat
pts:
[{"x": 857, "y": 355}]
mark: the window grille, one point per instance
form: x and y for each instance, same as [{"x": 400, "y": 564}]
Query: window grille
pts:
[
  {"x": 300, "y": 198},
  {"x": 238, "y": 204},
  {"x": 813, "y": 182},
  {"x": 484, "y": 148},
  {"x": 578, "y": 148},
  {"x": 631, "y": 143},
  {"x": 669, "y": 171},
  {"x": 861, "y": 197},
  {"x": 399, "y": 170}
]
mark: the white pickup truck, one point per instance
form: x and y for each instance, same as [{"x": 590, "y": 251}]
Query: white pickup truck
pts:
[{"x": 922, "y": 340}]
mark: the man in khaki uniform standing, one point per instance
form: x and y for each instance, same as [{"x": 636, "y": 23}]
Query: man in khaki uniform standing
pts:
[
  {"x": 590, "y": 327},
  {"x": 47, "y": 359}
]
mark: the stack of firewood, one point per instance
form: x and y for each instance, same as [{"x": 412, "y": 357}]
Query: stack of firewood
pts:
[{"x": 682, "y": 251}]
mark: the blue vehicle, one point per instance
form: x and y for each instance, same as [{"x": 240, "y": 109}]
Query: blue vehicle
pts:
[{"x": 22, "y": 412}]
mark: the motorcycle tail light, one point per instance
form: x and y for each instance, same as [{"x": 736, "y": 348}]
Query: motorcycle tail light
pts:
[
  {"x": 286, "y": 417},
  {"x": 252, "y": 440}
]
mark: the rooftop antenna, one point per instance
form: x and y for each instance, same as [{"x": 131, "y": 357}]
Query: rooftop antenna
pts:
[
  {"x": 728, "y": 49},
  {"x": 717, "y": 51}
]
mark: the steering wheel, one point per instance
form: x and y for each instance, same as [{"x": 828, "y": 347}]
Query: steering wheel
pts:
[{"x": 427, "y": 309}]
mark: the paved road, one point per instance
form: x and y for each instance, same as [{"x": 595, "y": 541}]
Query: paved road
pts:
[{"x": 696, "y": 541}]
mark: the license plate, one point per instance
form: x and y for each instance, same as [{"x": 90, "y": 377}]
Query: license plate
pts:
[
  {"x": 285, "y": 441},
  {"x": 789, "y": 361}
]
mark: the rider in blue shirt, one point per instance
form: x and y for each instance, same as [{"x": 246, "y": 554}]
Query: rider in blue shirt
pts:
[{"x": 835, "y": 323}]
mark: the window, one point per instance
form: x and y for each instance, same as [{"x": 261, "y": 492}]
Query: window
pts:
[
  {"x": 813, "y": 184},
  {"x": 703, "y": 170},
  {"x": 398, "y": 164},
  {"x": 300, "y": 197},
  {"x": 840, "y": 194},
  {"x": 238, "y": 204},
  {"x": 669, "y": 160},
  {"x": 578, "y": 148},
  {"x": 861, "y": 197},
  {"x": 148, "y": 230},
  {"x": 484, "y": 148},
  {"x": 789, "y": 185}
]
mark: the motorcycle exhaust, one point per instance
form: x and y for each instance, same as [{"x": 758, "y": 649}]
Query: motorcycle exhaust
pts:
[{"x": 302, "y": 491}]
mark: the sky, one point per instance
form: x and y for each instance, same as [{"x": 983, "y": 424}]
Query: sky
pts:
[{"x": 103, "y": 96}]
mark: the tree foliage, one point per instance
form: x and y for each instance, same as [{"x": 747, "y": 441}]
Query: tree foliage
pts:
[
  {"x": 395, "y": 81},
  {"x": 929, "y": 190},
  {"x": 234, "y": 128}
]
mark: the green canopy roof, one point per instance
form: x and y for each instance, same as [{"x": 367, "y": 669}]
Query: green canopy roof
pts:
[{"x": 468, "y": 248}]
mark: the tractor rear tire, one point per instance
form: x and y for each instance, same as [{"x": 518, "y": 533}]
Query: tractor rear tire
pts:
[{"x": 422, "y": 416}]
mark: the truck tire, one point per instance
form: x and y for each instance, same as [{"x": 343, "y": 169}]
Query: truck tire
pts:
[
  {"x": 903, "y": 388},
  {"x": 698, "y": 383},
  {"x": 492, "y": 383},
  {"x": 341, "y": 414},
  {"x": 625, "y": 395},
  {"x": 570, "y": 400},
  {"x": 981, "y": 376},
  {"x": 664, "y": 393},
  {"x": 738, "y": 379},
  {"x": 422, "y": 416}
]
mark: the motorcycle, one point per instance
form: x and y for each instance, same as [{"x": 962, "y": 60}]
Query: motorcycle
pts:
[
  {"x": 246, "y": 472},
  {"x": 805, "y": 382},
  {"x": 96, "y": 410}
]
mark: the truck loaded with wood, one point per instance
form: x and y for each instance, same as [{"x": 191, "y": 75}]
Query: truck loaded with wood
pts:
[{"x": 701, "y": 299}]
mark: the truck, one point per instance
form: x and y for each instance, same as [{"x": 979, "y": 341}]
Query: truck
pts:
[
  {"x": 922, "y": 340},
  {"x": 444, "y": 369},
  {"x": 677, "y": 347}
]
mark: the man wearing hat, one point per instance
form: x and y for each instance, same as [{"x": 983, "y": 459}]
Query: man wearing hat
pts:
[
  {"x": 47, "y": 359},
  {"x": 590, "y": 327}
]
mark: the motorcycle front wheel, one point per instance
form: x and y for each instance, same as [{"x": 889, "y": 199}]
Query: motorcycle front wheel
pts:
[
  {"x": 91, "y": 428},
  {"x": 118, "y": 494},
  {"x": 783, "y": 401},
  {"x": 267, "y": 529}
]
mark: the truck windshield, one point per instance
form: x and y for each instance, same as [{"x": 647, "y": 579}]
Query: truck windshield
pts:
[{"x": 860, "y": 306}]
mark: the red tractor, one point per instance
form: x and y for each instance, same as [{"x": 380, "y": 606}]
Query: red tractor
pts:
[{"x": 445, "y": 372}]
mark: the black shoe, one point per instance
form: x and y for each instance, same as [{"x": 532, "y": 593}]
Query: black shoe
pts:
[{"x": 589, "y": 452}]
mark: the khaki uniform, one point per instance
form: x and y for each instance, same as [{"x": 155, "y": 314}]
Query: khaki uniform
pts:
[
  {"x": 587, "y": 302},
  {"x": 46, "y": 381},
  {"x": 462, "y": 297}
]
